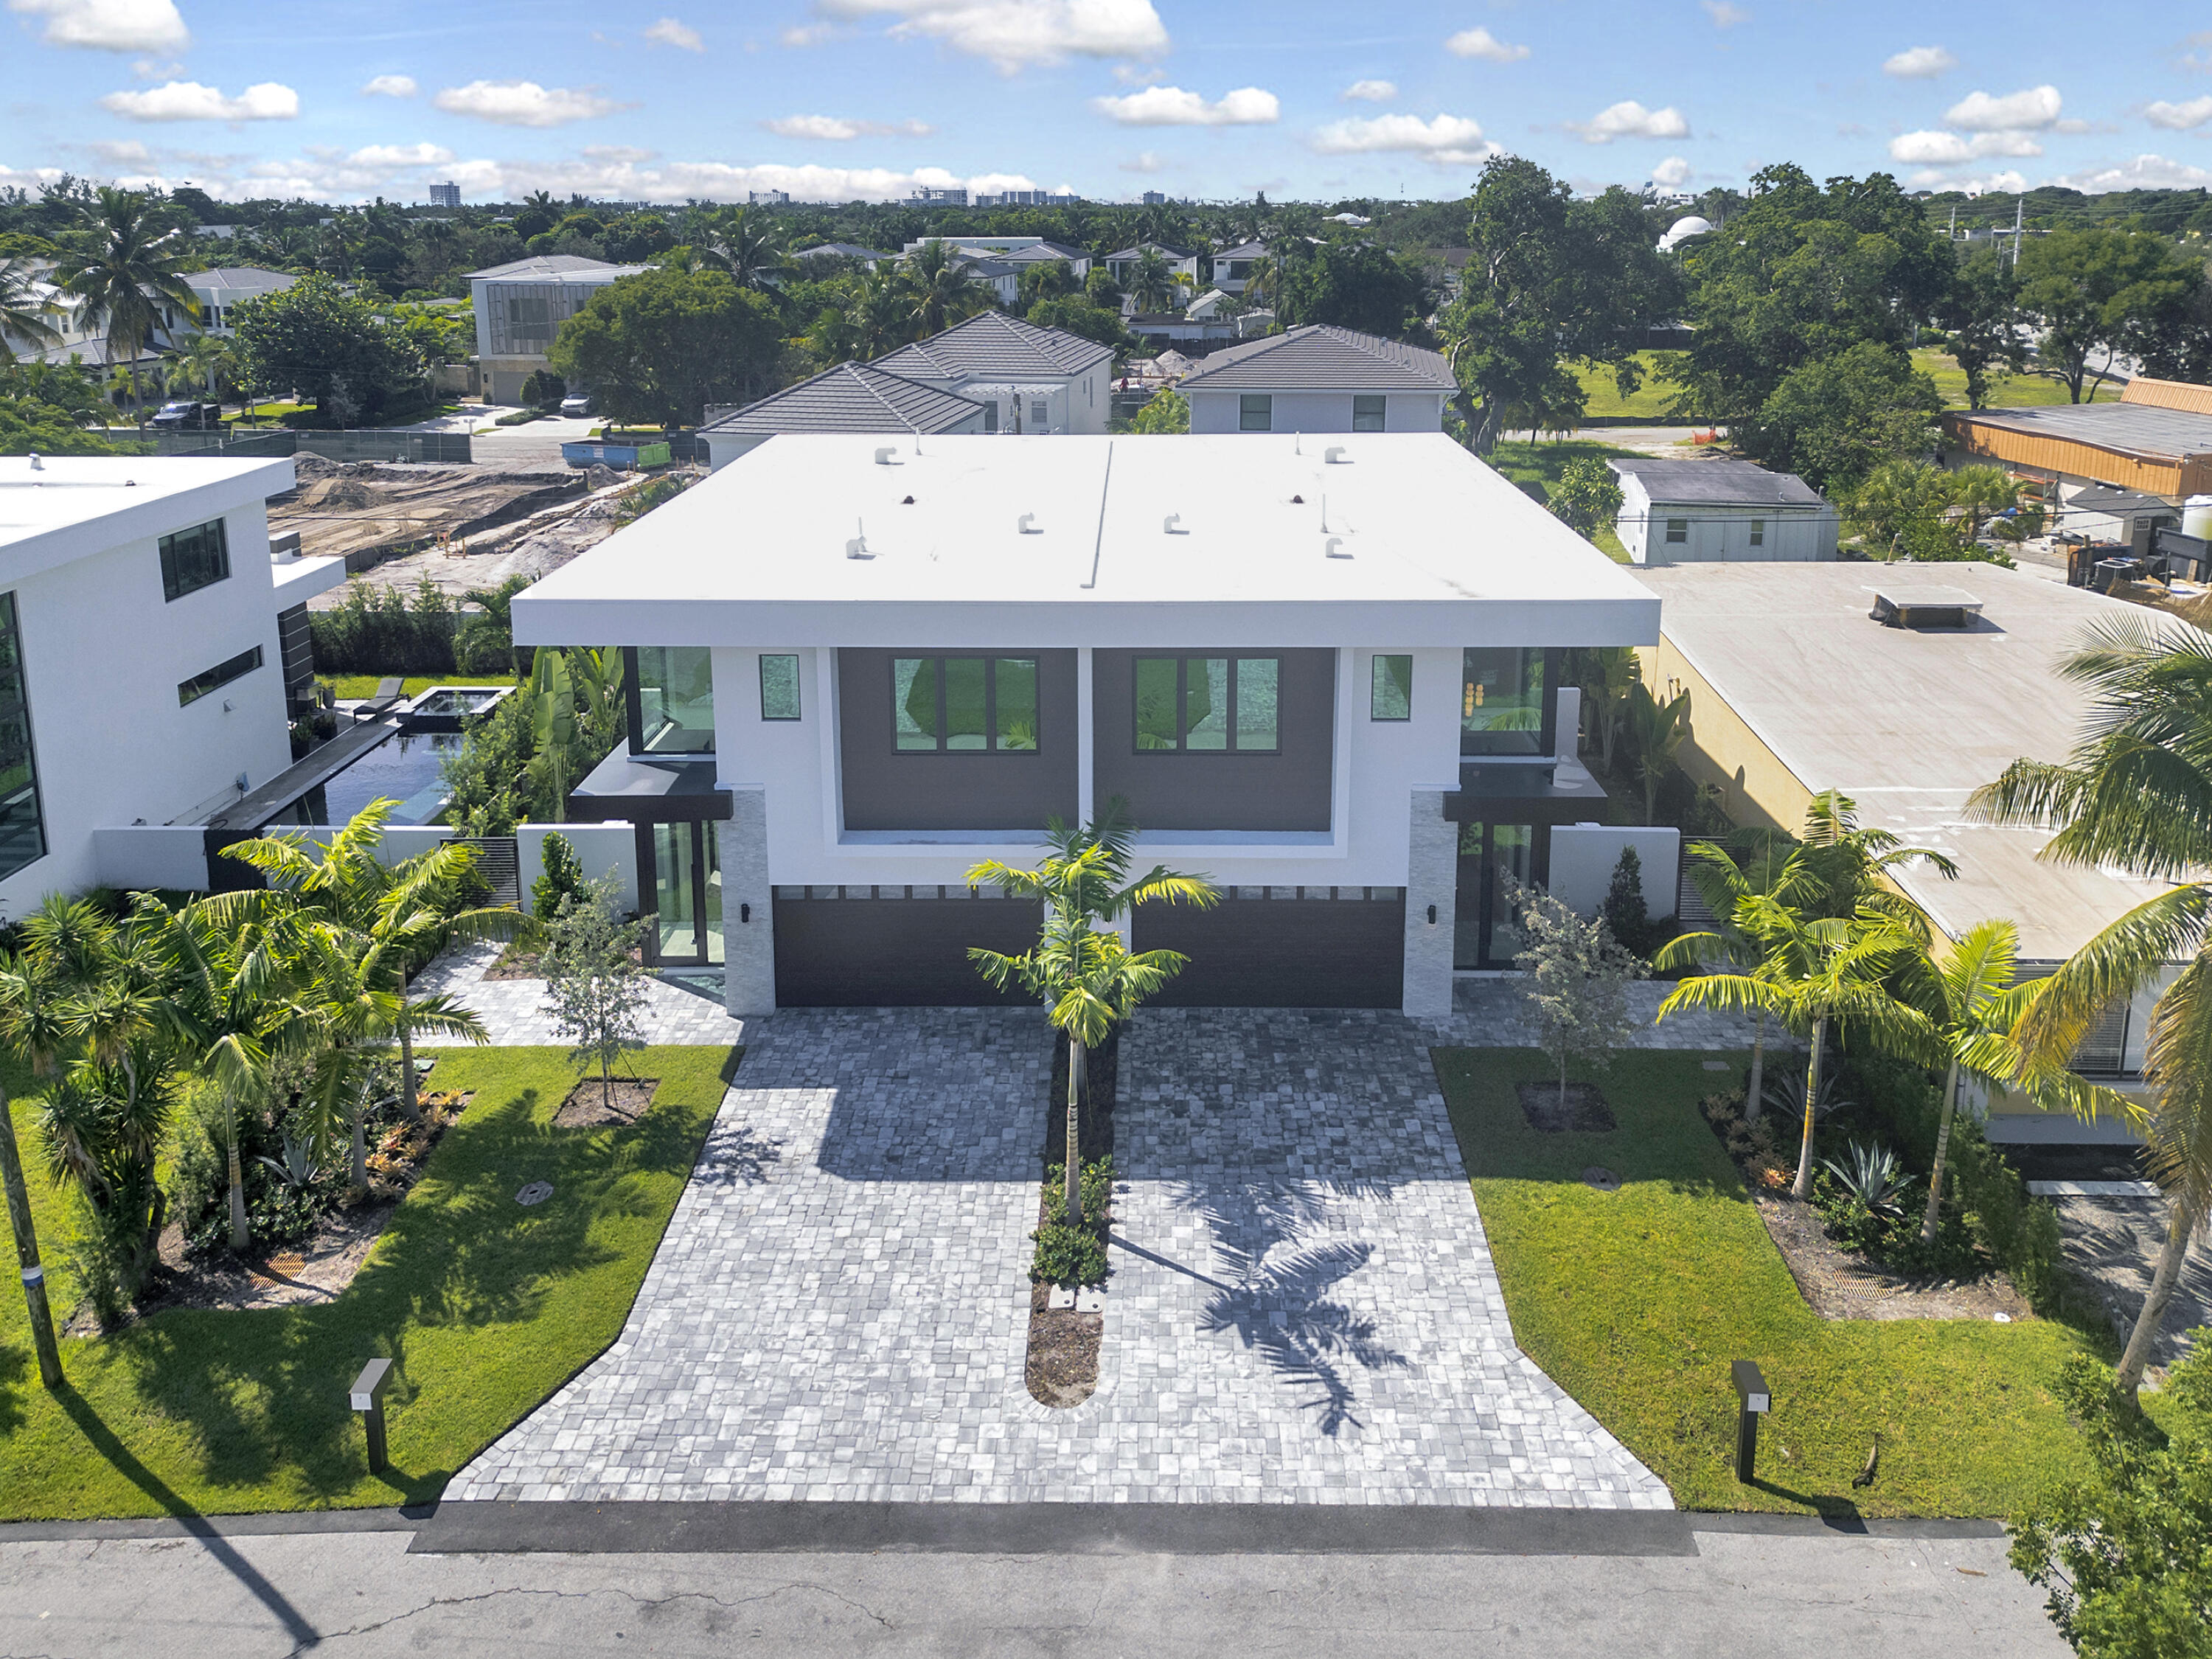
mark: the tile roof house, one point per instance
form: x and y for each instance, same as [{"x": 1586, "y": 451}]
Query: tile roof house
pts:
[
  {"x": 850, "y": 397},
  {"x": 1030, "y": 378},
  {"x": 1233, "y": 266},
  {"x": 841, "y": 250},
  {"x": 1120, "y": 264},
  {"x": 1319, "y": 378},
  {"x": 1713, "y": 508}
]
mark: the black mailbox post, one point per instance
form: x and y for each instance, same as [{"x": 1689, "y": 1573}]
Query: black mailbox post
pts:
[
  {"x": 1752, "y": 1403},
  {"x": 366, "y": 1397}
]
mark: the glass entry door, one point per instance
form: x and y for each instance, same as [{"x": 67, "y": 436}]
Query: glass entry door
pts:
[
  {"x": 687, "y": 894},
  {"x": 1492, "y": 858}
]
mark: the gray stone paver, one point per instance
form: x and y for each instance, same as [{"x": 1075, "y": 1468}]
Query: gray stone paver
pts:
[
  {"x": 514, "y": 1010},
  {"x": 1303, "y": 1307}
]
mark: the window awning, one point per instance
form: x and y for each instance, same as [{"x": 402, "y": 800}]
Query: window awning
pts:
[
  {"x": 1494, "y": 793},
  {"x": 643, "y": 791}
]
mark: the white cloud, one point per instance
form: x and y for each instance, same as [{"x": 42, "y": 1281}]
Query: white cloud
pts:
[
  {"x": 1945, "y": 148},
  {"x": 1724, "y": 15},
  {"x": 390, "y": 86},
  {"x": 2144, "y": 172},
  {"x": 1630, "y": 119},
  {"x": 1481, "y": 43},
  {"x": 805, "y": 34},
  {"x": 1919, "y": 63},
  {"x": 1371, "y": 92},
  {"x": 188, "y": 100},
  {"x": 1015, "y": 34},
  {"x": 1171, "y": 106},
  {"x": 836, "y": 129},
  {"x": 670, "y": 33},
  {"x": 1447, "y": 140},
  {"x": 109, "y": 25},
  {"x": 400, "y": 156},
  {"x": 122, "y": 152},
  {"x": 1673, "y": 172},
  {"x": 1146, "y": 161},
  {"x": 2010, "y": 181},
  {"x": 2180, "y": 117},
  {"x": 2027, "y": 111},
  {"x": 523, "y": 103}
]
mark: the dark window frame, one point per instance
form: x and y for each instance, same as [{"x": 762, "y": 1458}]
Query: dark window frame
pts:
[
  {"x": 1380, "y": 414},
  {"x": 990, "y": 659},
  {"x": 209, "y": 680},
  {"x": 1182, "y": 661},
  {"x": 17, "y": 712},
  {"x": 179, "y": 579},
  {"x": 633, "y": 713},
  {"x": 798, "y": 689},
  {"x": 1266, "y": 402}
]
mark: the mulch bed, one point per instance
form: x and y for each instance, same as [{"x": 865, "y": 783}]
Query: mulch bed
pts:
[
  {"x": 1062, "y": 1369},
  {"x": 1837, "y": 1285},
  {"x": 587, "y": 1107},
  {"x": 1585, "y": 1113}
]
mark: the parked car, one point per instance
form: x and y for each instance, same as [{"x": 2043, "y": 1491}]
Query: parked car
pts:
[
  {"x": 188, "y": 417},
  {"x": 579, "y": 404}
]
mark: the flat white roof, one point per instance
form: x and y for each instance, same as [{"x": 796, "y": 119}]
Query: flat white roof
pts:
[
  {"x": 1910, "y": 721},
  {"x": 1068, "y": 540},
  {"x": 74, "y": 506}
]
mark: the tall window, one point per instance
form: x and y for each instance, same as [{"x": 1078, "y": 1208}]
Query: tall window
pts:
[
  {"x": 1208, "y": 705},
  {"x": 964, "y": 705},
  {"x": 674, "y": 701},
  {"x": 1255, "y": 412},
  {"x": 193, "y": 559},
  {"x": 1678, "y": 531},
  {"x": 223, "y": 673},
  {"x": 779, "y": 686},
  {"x": 1759, "y": 532},
  {"x": 1392, "y": 698},
  {"x": 1501, "y": 709},
  {"x": 22, "y": 829},
  {"x": 1367, "y": 410}
]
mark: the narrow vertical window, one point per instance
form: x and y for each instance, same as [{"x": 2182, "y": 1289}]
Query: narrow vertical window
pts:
[
  {"x": 1759, "y": 532},
  {"x": 967, "y": 708},
  {"x": 1255, "y": 412},
  {"x": 22, "y": 826},
  {"x": 914, "y": 701},
  {"x": 1392, "y": 696},
  {"x": 779, "y": 680},
  {"x": 1205, "y": 702},
  {"x": 1014, "y": 720}
]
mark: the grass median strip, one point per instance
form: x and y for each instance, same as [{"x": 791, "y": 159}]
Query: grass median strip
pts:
[
  {"x": 485, "y": 1306},
  {"x": 1635, "y": 1301}
]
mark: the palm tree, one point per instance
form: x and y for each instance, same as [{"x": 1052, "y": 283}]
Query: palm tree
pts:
[
  {"x": 741, "y": 245},
  {"x": 24, "y": 308},
  {"x": 1656, "y": 730},
  {"x": 878, "y": 316},
  {"x": 2135, "y": 794},
  {"x": 1088, "y": 979},
  {"x": 938, "y": 290},
  {"x": 32, "y": 1026},
  {"x": 1153, "y": 284},
  {"x": 1726, "y": 887},
  {"x": 127, "y": 269},
  {"x": 201, "y": 363}
]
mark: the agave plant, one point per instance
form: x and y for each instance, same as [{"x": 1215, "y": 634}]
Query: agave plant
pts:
[
  {"x": 1871, "y": 1175},
  {"x": 298, "y": 1168},
  {"x": 1786, "y": 1095}
]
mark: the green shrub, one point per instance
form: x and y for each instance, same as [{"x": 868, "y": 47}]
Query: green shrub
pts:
[
  {"x": 2019, "y": 1233},
  {"x": 1068, "y": 1256},
  {"x": 379, "y": 630},
  {"x": 563, "y": 878},
  {"x": 1097, "y": 1194}
]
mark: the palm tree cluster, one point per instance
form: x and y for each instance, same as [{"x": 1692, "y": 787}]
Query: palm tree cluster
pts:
[
  {"x": 131, "y": 268},
  {"x": 280, "y": 1001},
  {"x": 922, "y": 295}
]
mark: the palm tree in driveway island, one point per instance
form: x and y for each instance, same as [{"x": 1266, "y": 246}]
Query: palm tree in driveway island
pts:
[{"x": 1089, "y": 980}]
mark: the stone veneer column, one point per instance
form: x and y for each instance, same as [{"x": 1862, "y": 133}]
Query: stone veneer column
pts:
[
  {"x": 1431, "y": 879},
  {"x": 748, "y": 947}
]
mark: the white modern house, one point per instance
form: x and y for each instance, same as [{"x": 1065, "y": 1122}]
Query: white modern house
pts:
[
  {"x": 849, "y": 398},
  {"x": 1327, "y": 677},
  {"x": 1027, "y": 379},
  {"x": 1714, "y": 510},
  {"x": 219, "y": 292},
  {"x": 1233, "y": 266},
  {"x": 520, "y": 307},
  {"x": 145, "y": 661},
  {"x": 1121, "y": 263},
  {"x": 1319, "y": 378}
]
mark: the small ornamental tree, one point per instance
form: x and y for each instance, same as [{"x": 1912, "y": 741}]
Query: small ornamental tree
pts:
[
  {"x": 1578, "y": 974},
  {"x": 1168, "y": 412},
  {"x": 594, "y": 992},
  {"x": 564, "y": 879},
  {"x": 1586, "y": 496}
]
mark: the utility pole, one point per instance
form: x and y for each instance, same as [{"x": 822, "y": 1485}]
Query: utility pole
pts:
[{"x": 2019, "y": 205}]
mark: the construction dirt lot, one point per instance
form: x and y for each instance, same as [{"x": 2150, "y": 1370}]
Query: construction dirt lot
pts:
[{"x": 463, "y": 527}]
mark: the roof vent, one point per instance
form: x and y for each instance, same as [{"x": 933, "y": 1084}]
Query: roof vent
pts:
[
  {"x": 1332, "y": 549},
  {"x": 906, "y": 500},
  {"x": 1297, "y": 501},
  {"x": 1027, "y": 525},
  {"x": 1172, "y": 524},
  {"x": 1924, "y": 605},
  {"x": 1334, "y": 456},
  {"x": 883, "y": 456},
  {"x": 857, "y": 547}
]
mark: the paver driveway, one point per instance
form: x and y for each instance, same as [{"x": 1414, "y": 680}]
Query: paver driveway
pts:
[{"x": 1304, "y": 1308}]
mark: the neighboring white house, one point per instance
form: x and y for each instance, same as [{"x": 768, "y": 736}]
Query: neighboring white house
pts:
[
  {"x": 849, "y": 398},
  {"x": 1713, "y": 509},
  {"x": 219, "y": 291},
  {"x": 520, "y": 307},
  {"x": 1019, "y": 251},
  {"x": 1122, "y": 264},
  {"x": 1319, "y": 378},
  {"x": 1233, "y": 266},
  {"x": 144, "y": 659},
  {"x": 861, "y": 667},
  {"x": 1028, "y": 378}
]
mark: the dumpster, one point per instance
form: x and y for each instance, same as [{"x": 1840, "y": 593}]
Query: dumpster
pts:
[{"x": 622, "y": 457}]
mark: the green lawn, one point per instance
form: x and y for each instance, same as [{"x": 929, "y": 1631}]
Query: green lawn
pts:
[
  {"x": 2006, "y": 391},
  {"x": 364, "y": 686},
  {"x": 1542, "y": 462},
  {"x": 486, "y": 1307},
  {"x": 1636, "y": 1302},
  {"x": 1605, "y": 403}
]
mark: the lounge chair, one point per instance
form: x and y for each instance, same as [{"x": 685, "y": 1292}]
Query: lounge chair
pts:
[{"x": 388, "y": 697}]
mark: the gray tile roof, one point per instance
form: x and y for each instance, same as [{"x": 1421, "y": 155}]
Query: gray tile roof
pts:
[
  {"x": 2142, "y": 429},
  {"x": 1320, "y": 357},
  {"x": 1244, "y": 251},
  {"x": 840, "y": 250},
  {"x": 1166, "y": 251},
  {"x": 552, "y": 267},
  {"x": 853, "y": 397},
  {"x": 992, "y": 343},
  {"x": 235, "y": 277},
  {"x": 1717, "y": 482}
]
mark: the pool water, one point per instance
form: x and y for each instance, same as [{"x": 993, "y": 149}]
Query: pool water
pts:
[
  {"x": 408, "y": 767},
  {"x": 453, "y": 702}
]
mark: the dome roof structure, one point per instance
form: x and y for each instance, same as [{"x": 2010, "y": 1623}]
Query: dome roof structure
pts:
[{"x": 1691, "y": 226}]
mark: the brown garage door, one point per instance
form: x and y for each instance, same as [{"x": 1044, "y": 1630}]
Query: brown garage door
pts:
[
  {"x": 1285, "y": 947},
  {"x": 883, "y": 947}
]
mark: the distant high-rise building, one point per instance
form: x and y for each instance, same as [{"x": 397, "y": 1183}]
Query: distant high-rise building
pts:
[
  {"x": 446, "y": 196},
  {"x": 1155, "y": 198},
  {"x": 768, "y": 198}
]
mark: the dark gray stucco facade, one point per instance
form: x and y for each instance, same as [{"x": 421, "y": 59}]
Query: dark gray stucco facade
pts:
[
  {"x": 886, "y": 789},
  {"x": 1289, "y": 789}
]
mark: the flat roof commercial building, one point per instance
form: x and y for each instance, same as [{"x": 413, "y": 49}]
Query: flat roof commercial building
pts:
[{"x": 2157, "y": 439}]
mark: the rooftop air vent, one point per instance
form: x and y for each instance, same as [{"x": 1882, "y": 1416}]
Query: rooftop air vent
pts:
[
  {"x": 1334, "y": 456},
  {"x": 1926, "y": 605},
  {"x": 883, "y": 456}
]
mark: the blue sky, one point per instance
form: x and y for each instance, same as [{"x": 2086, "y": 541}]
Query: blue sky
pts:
[{"x": 836, "y": 98}]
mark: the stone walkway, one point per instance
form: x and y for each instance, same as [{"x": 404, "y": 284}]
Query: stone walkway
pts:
[
  {"x": 1303, "y": 1307},
  {"x": 1492, "y": 1011},
  {"x": 514, "y": 1010}
]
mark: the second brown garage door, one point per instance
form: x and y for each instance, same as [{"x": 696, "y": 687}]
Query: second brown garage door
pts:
[
  {"x": 1284, "y": 947},
  {"x": 893, "y": 947}
]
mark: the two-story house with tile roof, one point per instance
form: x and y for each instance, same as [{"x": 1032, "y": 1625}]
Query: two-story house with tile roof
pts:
[
  {"x": 1319, "y": 378},
  {"x": 1027, "y": 379}
]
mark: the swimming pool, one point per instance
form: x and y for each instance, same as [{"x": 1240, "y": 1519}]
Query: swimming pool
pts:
[{"x": 408, "y": 767}]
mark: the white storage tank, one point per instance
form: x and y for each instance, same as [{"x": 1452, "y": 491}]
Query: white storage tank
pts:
[{"x": 2197, "y": 517}]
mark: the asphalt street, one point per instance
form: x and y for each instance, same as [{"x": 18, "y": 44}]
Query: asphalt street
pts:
[{"x": 1771, "y": 1593}]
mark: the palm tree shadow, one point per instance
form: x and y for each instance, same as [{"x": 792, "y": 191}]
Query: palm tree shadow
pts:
[{"x": 1277, "y": 1302}]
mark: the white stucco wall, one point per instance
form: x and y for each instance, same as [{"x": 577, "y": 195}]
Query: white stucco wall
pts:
[
  {"x": 1583, "y": 856},
  {"x": 103, "y": 655}
]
